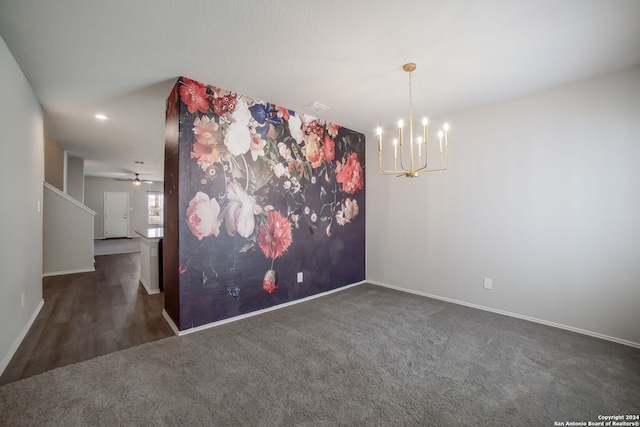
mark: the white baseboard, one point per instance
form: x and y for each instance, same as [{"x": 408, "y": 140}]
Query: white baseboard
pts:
[
  {"x": 264, "y": 310},
  {"x": 60, "y": 273},
  {"x": 507, "y": 313},
  {"x": 18, "y": 341},
  {"x": 170, "y": 322},
  {"x": 148, "y": 289}
]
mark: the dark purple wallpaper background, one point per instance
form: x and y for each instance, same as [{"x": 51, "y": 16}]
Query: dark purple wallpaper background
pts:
[{"x": 264, "y": 193}]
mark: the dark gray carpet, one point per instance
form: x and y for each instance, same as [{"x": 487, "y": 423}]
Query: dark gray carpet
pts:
[{"x": 363, "y": 356}]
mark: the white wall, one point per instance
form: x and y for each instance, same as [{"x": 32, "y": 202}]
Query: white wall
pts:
[
  {"x": 75, "y": 178},
  {"x": 67, "y": 234},
  {"x": 21, "y": 177},
  {"x": 541, "y": 196},
  {"x": 94, "y": 189},
  {"x": 55, "y": 160}
]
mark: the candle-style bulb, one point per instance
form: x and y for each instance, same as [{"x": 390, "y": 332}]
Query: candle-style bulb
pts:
[
  {"x": 425, "y": 121},
  {"x": 419, "y": 140},
  {"x": 379, "y": 131},
  {"x": 446, "y": 127},
  {"x": 400, "y": 123},
  {"x": 440, "y": 134},
  {"x": 395, "y": 142}
]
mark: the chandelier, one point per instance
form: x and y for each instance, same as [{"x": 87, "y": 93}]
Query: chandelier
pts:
[{"x": 415, "y": 167}]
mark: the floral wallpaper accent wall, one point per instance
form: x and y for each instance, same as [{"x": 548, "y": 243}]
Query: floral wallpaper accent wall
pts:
[{"x": 264, "y": 193}]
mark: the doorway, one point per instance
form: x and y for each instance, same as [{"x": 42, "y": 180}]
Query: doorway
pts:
[{"x": 116, "y": 214}]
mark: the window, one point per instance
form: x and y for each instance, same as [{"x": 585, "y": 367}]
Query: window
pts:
[{"x": 155, "y": 208}]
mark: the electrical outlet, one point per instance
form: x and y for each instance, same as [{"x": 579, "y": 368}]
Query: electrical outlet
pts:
[
  {"x": 300, "y": 277},
  {"x": 488, "y": 283}
]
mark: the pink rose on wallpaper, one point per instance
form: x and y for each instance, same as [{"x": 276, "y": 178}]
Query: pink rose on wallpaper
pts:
[
  {"x": 329, "y": 149},
  {"x": 269, "y": 281},
  {"x": 274, "y": 237},
  {"x": 239, "y": 210},
  {"x": 194, "y": 95},
  {"x": 350, "y": 175},
  {"x": 205, "y": 149},
  {"x": 206, "y": 130},
  {"x": 312, "y": 150},
  {"x": 202, "y": 216}
]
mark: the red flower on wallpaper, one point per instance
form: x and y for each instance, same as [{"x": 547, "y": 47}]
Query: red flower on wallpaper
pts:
[
  {"x": 315, "y": 127},
  {"x": 205, "y": 153},
  {"x": 350, "y": 174},
  {"x": 329, "y": 149},
  {"x": 274, "y": 237},
  {"x": 194, "y": 95},
  {"x": 333, "y": 129},
  {"x": 225, "y": 103},
  {"x": 282, "y": 113},
  {"x": 269, "y": 281}
]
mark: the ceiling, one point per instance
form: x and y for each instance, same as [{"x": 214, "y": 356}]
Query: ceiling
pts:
[{"x": 121, "y": 57}]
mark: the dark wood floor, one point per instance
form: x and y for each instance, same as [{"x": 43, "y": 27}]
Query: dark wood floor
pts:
[{"x": 87, "y": 315}]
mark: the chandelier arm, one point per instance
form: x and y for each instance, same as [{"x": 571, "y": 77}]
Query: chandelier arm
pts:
[
  {"x": 443, "y": 165},
  {"x": 447, "y": 156},
  {"x": 431, "y": 170},
  {"x": 402, "y": 166},
  {"x": 401, "y": 148},
  {"x": 425, "y": 170},
  {"x": 426, "y": 155},
  {"x": 382, "y": 170}
]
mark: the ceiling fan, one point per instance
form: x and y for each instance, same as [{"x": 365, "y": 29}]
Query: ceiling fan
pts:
[{"x": 135, "y": 181}]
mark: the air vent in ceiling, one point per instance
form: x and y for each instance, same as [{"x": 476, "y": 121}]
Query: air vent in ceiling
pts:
[{"x": 316, "y": 107}]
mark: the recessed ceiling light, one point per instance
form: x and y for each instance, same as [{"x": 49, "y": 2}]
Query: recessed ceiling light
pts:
[{"x": 100, "y": 117}]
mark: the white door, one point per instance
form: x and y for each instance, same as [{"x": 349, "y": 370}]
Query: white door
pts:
[{"x": 116, "y": 214}]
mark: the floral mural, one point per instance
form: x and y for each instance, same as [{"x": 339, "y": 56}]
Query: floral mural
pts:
[{"x": 264, "y": 193}]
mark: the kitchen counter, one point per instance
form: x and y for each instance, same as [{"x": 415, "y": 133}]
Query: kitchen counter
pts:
[{"x": 149, "y": 260}]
